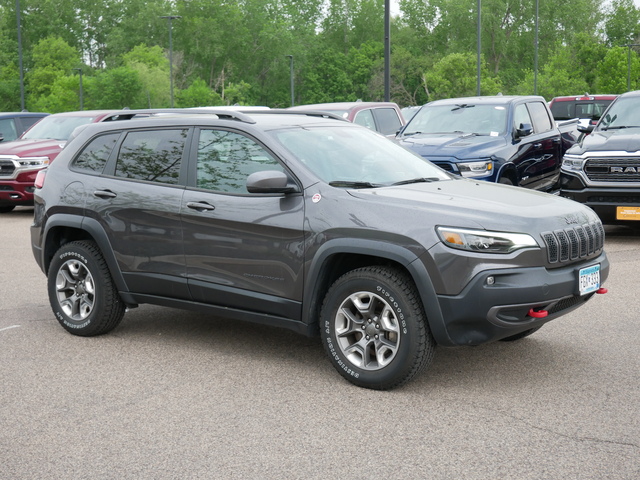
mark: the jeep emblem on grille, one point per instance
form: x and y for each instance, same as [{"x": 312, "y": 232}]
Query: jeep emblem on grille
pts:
[{"x": 625, "y": 169}]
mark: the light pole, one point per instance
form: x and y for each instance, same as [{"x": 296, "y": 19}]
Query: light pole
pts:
[
  {"x": 479, "y": 49},
  {"x": 535, "y": 56},
  {"x": 20, "y": 55},
  {"x": 387, "y": 51},
  {"x": 290, "y": 57},
  {"x": 79, "y": 70},
  {"x": 170, "y": 18},
  {"x": 629, "y": 45}
]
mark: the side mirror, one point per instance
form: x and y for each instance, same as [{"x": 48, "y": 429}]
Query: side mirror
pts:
[
  {"x": 586, "y": 129},
  {"x": 270, "y": 181},
  {"x": 1, "y": 137},
  {"x": 524, "y": 130}
]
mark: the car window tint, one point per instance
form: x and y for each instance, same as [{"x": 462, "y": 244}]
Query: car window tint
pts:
[
  {"x": 541, "y": 121},
  {"x": 153, "y": 155},
  {"x": 365, "y": 118},
  {"x": 8, "y": 129},
  {"x": 521, "y": 116},
  {"x": 226, "y": 159},
  {"x": 388, "y": 121},
  {"x": 94, "y": 156}
]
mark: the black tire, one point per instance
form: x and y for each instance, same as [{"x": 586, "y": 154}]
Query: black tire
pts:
[
  {"x": 374, "y": 328},
  {"x": 7, "y": 208},
  {"x": 506, "y": 181},
  {"x": 82, "y": 293},
  {"x": 520, "y": 335}
]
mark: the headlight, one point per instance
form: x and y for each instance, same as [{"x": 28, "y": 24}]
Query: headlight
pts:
[
  {"x": 26, "y": 162},
  {"x": 483, "y": 241},
  {"x": 476, "y": 169},
  {"x": 572, "y": 162}
]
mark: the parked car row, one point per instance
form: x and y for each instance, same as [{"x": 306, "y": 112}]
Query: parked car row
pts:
[{"x": 514, "y": 140}]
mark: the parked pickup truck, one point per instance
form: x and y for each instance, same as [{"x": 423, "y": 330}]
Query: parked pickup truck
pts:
[
  {"x": 505, "y": 139},
  {"x": 603, "y": 169},
  {"x": 21, "y": 159}
]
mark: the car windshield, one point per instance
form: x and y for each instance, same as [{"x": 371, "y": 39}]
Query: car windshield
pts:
[
  {"x": 479, "y": 119},
  {"x": 56, "y": 128},
  {"x": 624, "y": 113},
  {"x": 356, "y": 157}
]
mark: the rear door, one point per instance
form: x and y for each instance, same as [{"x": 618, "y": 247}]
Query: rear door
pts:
[
  {"x": 242, "y": 250},
  {"x": 137, "y": 201}
]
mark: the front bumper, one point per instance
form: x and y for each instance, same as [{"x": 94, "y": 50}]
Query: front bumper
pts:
[
  {"x": 13, "y": 192},
  {"x": 487, "y": 311},
  {"x": 603, "y": 200}
]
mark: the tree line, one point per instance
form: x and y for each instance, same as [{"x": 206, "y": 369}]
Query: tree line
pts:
[{"x": 116, "y": 53}]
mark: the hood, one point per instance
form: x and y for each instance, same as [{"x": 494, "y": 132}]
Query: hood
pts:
[
  {"x": 476, "y": 204},
  {"x": 461, "y": 146},
  {"x": 625, "y": 140},
  {"x": 32, "y": 148}
]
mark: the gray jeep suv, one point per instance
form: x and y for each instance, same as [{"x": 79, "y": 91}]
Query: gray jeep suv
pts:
[{"x": 298, "y": 220}]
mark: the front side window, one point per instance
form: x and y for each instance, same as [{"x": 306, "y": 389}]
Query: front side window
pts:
[
  {"x": 226, "y": 159},
  {"x": 365, "y": 118},
  {"x": 152, "y": 155},
  {"x": 8, "y": 129},
  {"x": 521, "y": 116},
  {"x": 94, "y": 156}
]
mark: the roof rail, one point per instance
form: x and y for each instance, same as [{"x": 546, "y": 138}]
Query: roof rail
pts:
[
  {"x": 308, "y": 113},
  {"x": 126, "y": 114}
]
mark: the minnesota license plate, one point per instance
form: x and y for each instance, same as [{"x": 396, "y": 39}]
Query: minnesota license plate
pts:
[
  {"x": 628, "y": 213},
  {"x": 589, "y": 279}
]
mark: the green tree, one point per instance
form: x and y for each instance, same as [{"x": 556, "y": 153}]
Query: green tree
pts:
[
  {"x": 198, "y": 94},
  {"x": 152, "y": 69},
  {"x": 456, "y": 76},
  {"x": 613, "y": 71}
]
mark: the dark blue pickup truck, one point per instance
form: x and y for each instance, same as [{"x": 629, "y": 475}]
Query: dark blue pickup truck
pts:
[{"x": 505, "y": 139}]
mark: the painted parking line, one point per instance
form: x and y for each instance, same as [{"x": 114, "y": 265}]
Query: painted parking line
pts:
[{"x": 9, "y": 328}]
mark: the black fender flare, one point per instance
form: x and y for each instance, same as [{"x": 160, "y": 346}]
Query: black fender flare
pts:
[{"x": 375, "y": 248}]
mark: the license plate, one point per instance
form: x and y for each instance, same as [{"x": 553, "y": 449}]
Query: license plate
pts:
[
  {"x": 628, "y": 213},
  {"x": 589, "y": 279}
]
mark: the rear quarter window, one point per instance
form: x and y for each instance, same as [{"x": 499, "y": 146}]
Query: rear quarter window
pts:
[{"x": 94, "y": 156}]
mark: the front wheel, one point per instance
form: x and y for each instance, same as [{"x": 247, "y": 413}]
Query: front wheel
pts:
[
  {"x": 82, "y": 294},
  {"x": 7, "y": 208},
  {"x": 374, "y": 328}
]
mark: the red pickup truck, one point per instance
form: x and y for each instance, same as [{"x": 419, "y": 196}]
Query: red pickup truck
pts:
[{"x": 21, "y": 159}]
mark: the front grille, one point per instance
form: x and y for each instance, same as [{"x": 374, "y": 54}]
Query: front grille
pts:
[
  {"x": 446, "y": 166},
  {"x": 613, "y": 169},
  {"x": 573, "y": 243},
  {"x": 7, "y": 168}
]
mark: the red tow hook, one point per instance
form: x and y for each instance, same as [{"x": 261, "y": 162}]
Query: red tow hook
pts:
[
  {"x": 537, "y": 313},
  {"x": 602, "y": 291}
]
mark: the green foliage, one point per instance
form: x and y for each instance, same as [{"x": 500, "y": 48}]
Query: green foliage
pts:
[
  {"x": 197, "y": 95},
  {"x": 456, "y": 76},
  {"x": 236, "y": 52}
]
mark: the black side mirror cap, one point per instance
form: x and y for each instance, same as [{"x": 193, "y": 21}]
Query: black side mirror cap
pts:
[
  {"x": 270, "y": 181},
  {"x": 524, "y": 130}
]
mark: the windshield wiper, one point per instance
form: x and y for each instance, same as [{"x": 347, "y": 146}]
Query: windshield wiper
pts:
[
  {"x": 347, "y": 184},
  {"x": 620, "y": 127},
  {"x": 407, "y": 134},
  {"x": 417, "y": 180}
]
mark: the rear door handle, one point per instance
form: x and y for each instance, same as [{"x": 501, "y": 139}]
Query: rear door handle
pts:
[
  {"x": 201, "y": 206},
  {"x": 104, "y": 194}
]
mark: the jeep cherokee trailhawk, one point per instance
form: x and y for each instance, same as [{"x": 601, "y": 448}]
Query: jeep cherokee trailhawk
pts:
[{"x": 307, "y": 222}]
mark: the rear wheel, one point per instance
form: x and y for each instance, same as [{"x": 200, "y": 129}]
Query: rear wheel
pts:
[
  {"x": 82, "y": 293},
  {"x": 374, "y": 328}
]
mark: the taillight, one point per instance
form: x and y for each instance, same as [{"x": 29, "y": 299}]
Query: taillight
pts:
[{"x": 39, "y": 183}]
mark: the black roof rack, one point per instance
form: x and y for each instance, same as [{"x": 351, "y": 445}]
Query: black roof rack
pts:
[{"x": 126, "y": 114}]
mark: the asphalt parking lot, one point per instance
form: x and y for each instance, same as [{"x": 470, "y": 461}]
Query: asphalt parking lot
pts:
[{"x": 172, "y": 394}]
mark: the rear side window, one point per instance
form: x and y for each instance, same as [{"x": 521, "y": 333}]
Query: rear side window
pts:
[
  {"x": 388, "y": 121},
  {"x": 540, "y": 116},
  {"x": 94, "y": 156},
  {"x": 152, "y": 155},
  {"x": 226, "y": 159}
]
